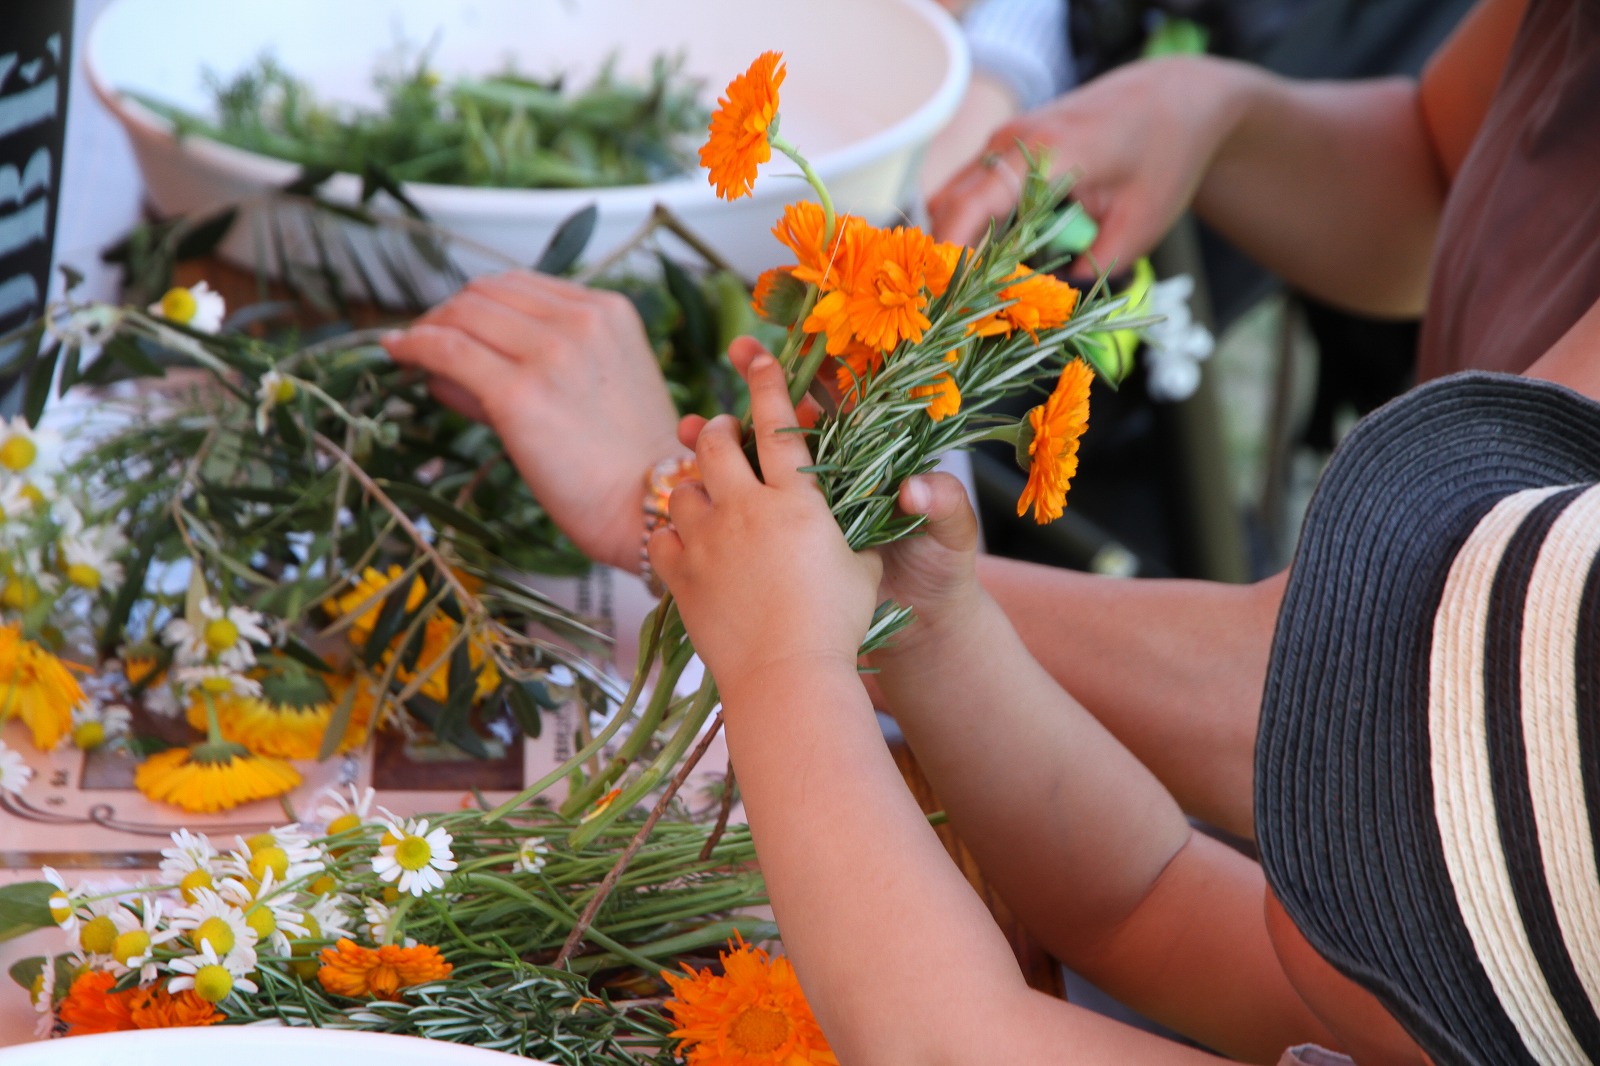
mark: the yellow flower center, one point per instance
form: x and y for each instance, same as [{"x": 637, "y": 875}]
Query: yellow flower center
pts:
[
  {"x": 18, "y": 453},
  {"x": 217, "y": 933},
  {"x": 282, "y": 391},
  {"x": 220, "y": 634},
  {"x": 343, "y": 823},
  {"x": 217, "y": 684},
  {"x": 179, "y": 305},
  {"x": 84, "y": 576},
  {"x": 60, "y": 907},
  {"x": 271, "y": 858},
  {"x": 413, "y": 853},
  {"x": 758, "y": 1031},
  {"x": 390, "y": 893},
  {"x": 99, "y": 934},
  {"x": 31, "y": 493},
  {"x": 212, "y": 983},
  {"x": 87, "y": 736},
  {"x": 261, "y": 840},
  {"x": 130, "y": 945},
  {"x": 36, "y": 989},
  {"x": 192, "y": 882},
  {"x": 262, "y": 920},
  {"x": 20, "y": 594},
  {"x": 323, "y": 885}
]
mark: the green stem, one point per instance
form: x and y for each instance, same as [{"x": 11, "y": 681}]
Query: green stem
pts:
[
  {"x": 672, "y": 667},
  {"x": 391, "y": 934},
  {"x": 815, "y": 181}
]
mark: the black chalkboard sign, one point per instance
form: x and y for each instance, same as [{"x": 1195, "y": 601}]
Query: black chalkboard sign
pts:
[{"x": 35, "y": 61}]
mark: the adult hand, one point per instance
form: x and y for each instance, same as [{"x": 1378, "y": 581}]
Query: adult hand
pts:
[
  {"x": 565, "y": 375},
  {"x": 759, "y": 568},
  {"x": 1140, "y": 140}
]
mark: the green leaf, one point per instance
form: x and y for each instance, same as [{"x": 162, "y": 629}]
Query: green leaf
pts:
[
  {"x": 392, "y": 618},
  {"x": 40, "y": 378},
  {"x": 441, "y": 511},
  {"x": 524, "y": 708},
  {"x": 308, "y": 180},
  {"x": 698, "y": 333},
  {"x": 133, "y": 584},
  {"x": 131, "y": 354},
  {"x": 451, "y": 730},
  {"x": 300, "y": 652},
  {"x": 25, "y": 907},
  {"x": 568, "y": 241}
]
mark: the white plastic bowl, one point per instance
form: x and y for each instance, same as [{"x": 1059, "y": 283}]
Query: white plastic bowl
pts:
[
  {"x": 249, "y": 1045},
  {"x": 869, "y": 83}
]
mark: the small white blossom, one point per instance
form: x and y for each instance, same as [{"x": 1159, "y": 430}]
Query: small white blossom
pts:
[
  {"x": 197, "y": 307},
  {"x": 89, "y": 557},
  {"x": 275, "y": 389},
  {"x": 217, "y": 680},
  {"x": 378, "y": 918},
  {"x": 143, "y": 932},
  {"x": 15, "y": 773},
  {"x": 94, "y": 724},
  {"x": 217, "y": 636},
  {"x": 338, "y": 809},
  {"x": 26, "y": 450},
  {"x": 1177, "y": 344},
  {"x": 414, "y": 856},
  {"x": 212, "y": 923},
  {"x": 531, "y": 855},
  {"x": 191, "y": 967}
]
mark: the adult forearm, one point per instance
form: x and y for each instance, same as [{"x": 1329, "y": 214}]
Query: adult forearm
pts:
[
  {"x": 1173, "y": 669},
  {"x": 1333, "y": 185}
]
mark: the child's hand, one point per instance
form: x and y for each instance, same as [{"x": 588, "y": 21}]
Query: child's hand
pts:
[
  {"x": 934, "y": 571},
  {"x": 761, "y": 572}
]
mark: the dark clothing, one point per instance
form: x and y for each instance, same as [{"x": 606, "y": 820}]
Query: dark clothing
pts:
[{"x": 1518, "y": 261}]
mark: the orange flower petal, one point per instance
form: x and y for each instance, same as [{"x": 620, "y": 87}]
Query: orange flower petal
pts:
[{"x": 738, "y": 142}]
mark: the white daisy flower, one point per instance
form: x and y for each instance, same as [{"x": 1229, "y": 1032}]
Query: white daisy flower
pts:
[
  {"x": 378, "y": 918},
  {"x": 189, "y": 863},
  {"x": 63, "y": 901},
  {"x": 218, "y": 636},
  {"x": 15, "y": 773},
  {"x": 285, "y": 852},
  {"x": 269, "y": 910},
  {"x": 217, "y": 680},
  {"x": 16, "y": 501},
  {"x": 1176, "y": 345},
  {"x": 214, "y": 923},
  {"x": 531, "y": 856},
  {"x": 99, "y": 923},
  {"x": 89, "y": 557},
  {"x": 339, "y": 810},
  {"x": 95, "y": 724},
  {"x": 275, "y": 389},
  {"x": 44, "y": 1000},
  {"x": 83, "y": 327},
  {"x": 415, "y": 857},
  {"x": 211, "y": 978},
  {"x": 196, "y": 307},
  {"x": 137, "y": 938},
  {"x": 333, "y": 914},
  {"x": 28, "y": 450}
]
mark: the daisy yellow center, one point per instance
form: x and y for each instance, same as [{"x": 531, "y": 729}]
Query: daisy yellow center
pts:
[
  {"x": 217, "y": 933},
  {"x": 262, "y": 920},
  {"x": 99, "y": 934},
  {"x": 413, "y": 853},
  {"x": 212, "y": 983},
  {"x": 217, "y": 684},
  {"x": 261, "y": 840},
  {"x": 36, "y": 989},
  {"x": 758, "y": 1031},
  {"x": 33, "y": 495},
  {"x": 179, "y": 305},
  {"x": 343, "y": 823},
  {"x": 282, "y": 391},
  {"x": 60, "y": 907},
  {"x": 390, "y": 893},
  {"x": 191, "y": 884},
  {"x": 130, "y": 945},
  {"x": 18, "y": 453},
  {"x": 220, "y": 634},
  {"x": 271, "y": 858},
  {"x": 19, "y": 595},
  {"x": 323, "y": 885},
  {"x": 84, "y": 576},
  {"x": 88, "y": 735}
]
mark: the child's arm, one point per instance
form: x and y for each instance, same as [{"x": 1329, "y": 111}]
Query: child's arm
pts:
[{"x": 901, "y": 961}]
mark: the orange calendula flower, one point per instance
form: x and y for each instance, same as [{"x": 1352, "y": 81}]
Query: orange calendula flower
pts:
[
  {"x": 751, "y": 1014},
  {"x": 801, "y": 230},
  {"x": 856, "y": 363},
  {"x": 738, "y": 142},
  {"x": 36, "y": 687},
  {"x": 892, "y": 288},
  {"x": 1052, "y": 445},
  {"x": 356, "y": 972},
  {"x": 212, "y": 777},
  {"x": 368, "y": 594},
  {"x": 91, "y": 1007},
  {"x": 942, "y": 394},
  {"x": 1039, "y": 302},
  {"x": 153, "y": 1007}
]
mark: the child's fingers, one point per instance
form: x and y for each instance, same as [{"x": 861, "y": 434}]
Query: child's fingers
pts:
[
  {"x": 689, "y": 427},
  {"x": 782, "y": 450},
  {"x": 723, "y": 467},
  {"x": 688, "y": 505},
  {"x": 666, "y": 553},
  {"x": 943, "y": 499},
  {"x": 743, "y": 350}
]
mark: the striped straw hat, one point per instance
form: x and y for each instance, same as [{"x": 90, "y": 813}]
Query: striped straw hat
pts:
[{"x": 1428, "y": 768}]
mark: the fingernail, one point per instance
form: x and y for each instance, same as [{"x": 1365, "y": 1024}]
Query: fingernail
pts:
[
  {"x": 391, "y": 338},
  {"x": 916, "y": 495},
  {"x": 761, "y": 362}
]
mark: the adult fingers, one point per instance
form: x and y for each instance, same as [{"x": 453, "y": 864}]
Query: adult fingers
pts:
[
  {"x": 449, "y": 354},
  {"x": 531, "y": 293},
  {"x": 509, "y": 332},
  {"x": 457, "y": 398},
  {"x": 985, "y": 189},
  {"x": 779, "y": 444},
  {"x": 943, "y": 499},
  {"x": 723, "y": 466}
]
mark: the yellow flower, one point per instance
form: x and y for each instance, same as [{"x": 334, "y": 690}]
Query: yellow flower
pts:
[
  {"x": 1039, "y": 302},
  {"x": 438, "y": 632},
  {"x": 738, "y": 141},
  {"x": 287, "y": 724},
  {"x": 212, "y": 777},
  {"x": 1052, "y": 446},
  {"x": 356, "y": 972},
  {"x": 944, "y": 397},
  {"x": 37, "y": 686},
  {"x": 752, "y": 1013}
]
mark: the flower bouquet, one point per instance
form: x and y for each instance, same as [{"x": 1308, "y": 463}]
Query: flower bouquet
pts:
[{"x": 337, "y": 558}]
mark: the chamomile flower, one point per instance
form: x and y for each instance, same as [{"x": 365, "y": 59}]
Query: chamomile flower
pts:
[
  {"x": 218, "y": 636},
  {"x": 414, "y": 856},
  {"x": 339, "y": 810},
  {"x": 43, "y": 993},
  {"x": 531, "y": 855},
  {"x": 27, "y": 450},
  {"x": 268, "y": 909},
  {"x": 216, "y": 680},
  {"x": 196, "y": 307},
  {"x": 285, "y": 852},
  {"x": 16, "y": 501},
  {"x": 189, "y": 863},
  {"x": 63, "y": 901},
  {"x": 212, "y": 923},
  {"x": 95, "y": 724},
  {"x": 379, "y": 918},
  {"x": 97, "y": 927},
  {"x": 332, "y": 914},
  {"x": 138, "y": 935},
  {"x": 89, "y": 557},
  {"x": 275, "y": 389},
  {"x": 15, "y": 773},
  {"x": 211, "y": 977},
  {"x": 82, "y": 327}
]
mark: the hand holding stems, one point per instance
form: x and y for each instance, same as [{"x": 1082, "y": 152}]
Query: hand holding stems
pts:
[
  {"x": 744, "y": 550},
  {"x": 545, "y": 362}
]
